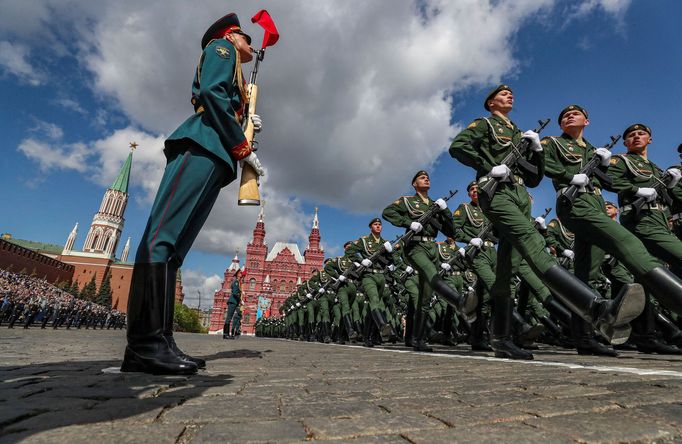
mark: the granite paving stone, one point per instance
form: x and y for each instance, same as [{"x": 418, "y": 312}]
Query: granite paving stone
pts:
[{"x": 64, "y": 386}]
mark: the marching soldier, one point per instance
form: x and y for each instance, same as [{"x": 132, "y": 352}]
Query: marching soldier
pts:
[
  {"x": 635, "y": 176},
  {"x": 469, "y": 221},
  {"x": 202, "y": 156},
  {"x": 422, "y": 253},
  {"x": 483, "y": 145},
  {"x": 372, "y": 279},
  {"x": 347, "y": 290}
]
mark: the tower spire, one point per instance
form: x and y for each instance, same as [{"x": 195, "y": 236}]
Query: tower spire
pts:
[
  {"x": 126, "y": 251},
  {"x": 316, "y": 222},
  {"x": 71, "y": 239}
]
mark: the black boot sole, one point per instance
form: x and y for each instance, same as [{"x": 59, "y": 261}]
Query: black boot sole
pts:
[
  {"x": 630, "y": 306},
  {"x": 133, "y": 362}
]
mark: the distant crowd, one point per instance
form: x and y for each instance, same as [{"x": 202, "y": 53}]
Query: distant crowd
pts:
[{"x": 28, "y": 301}]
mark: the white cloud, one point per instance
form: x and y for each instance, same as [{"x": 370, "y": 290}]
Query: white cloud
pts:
[
  {"x": 14, "y": 60},
  {"x": 195, "y": 283},
  {"x": 56, "y": 156}
]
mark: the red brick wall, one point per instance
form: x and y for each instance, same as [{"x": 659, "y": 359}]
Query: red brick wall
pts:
[{"x": 16, "y": 258}]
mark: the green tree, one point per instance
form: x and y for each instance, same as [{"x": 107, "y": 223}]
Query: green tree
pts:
[
  {"x": 74, "y": 290},
  {"x": 89, "y": 290},
  {"x": 104, "y": 293},
  {"x": 186, "y": 319}
]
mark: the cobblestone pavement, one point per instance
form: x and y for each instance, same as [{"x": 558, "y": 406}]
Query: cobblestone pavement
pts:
[{"x": 54, "y": 389}]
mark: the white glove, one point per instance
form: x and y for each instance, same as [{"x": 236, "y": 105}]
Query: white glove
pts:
[
  {"x": 391, "y": 268},
  {"x": 309, "y": 296},
  {"x": 500, "y": 171},
  {"x": 541, "y": 222},
  {"x": 580, "y": 180},
  {"x": 534, "y": 140},
  {"x": 252, "y": 160},
  {"x": 607, "y": 280},
  {"x": 649, "y": 194},
  {"x": 336, "y": 300},
  {"x": 257, "y": 123},
  {"x": 676, "y": 176},
  {"x": 342, "y": 278},
  {"x": 409, "y": 270},
  {"x": 321, "y": 290},
  {"x": 356, "y": 265},
  {"x": 441, "y": 204},
  {"x": 298, "y": 304},
  {"x": 366, "y": 263},
  {"x": 462, "y": 252},
  {"x": 476, "y": 242},
  {"x": 604, "y": 154},
  {"x": 445, "y": 266},
  {"x": 416, "y": 227},
  {"x": 569, "y": 254},
  {"x": 388, "y": 247}
]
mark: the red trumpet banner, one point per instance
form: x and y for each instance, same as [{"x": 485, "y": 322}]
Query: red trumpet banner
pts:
[{"x": 263, "y": 19}]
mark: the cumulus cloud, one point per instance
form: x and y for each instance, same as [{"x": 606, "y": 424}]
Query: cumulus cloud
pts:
[
  {"x": 47, "y": 149},
  {"x": 14, "y": 60},
  {"x": 195, "y": 283}
]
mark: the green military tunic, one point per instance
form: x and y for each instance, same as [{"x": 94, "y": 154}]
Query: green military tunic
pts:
[{"x": 372, "y": 279}]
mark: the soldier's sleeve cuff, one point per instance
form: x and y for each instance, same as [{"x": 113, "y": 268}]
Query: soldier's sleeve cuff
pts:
[{"x": 241, "y": 151}]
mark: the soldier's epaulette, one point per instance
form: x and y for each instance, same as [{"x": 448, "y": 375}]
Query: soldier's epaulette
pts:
[
  {"x": 615, "y": 158},
  {"x": 457, "y": 212},
  {"x": 552, "y": 223},
  {"x": 544, "y": 141},
  {"x": 474, "y": 124}
]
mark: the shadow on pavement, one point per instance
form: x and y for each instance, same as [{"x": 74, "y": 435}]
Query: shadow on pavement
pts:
[{"x": 41, "y": 397}]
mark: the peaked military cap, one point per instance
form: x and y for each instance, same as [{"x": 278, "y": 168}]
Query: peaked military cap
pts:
[
  {"x": 231, "y": 22},
  {"x": 419, "y": 173},
  {"x": 376, "y": 219},
  {"x": 493, "y": 93},
  {"x": 571, "y": 108},
  {"x": 345, "y": 245},
  {"x": 679, "y": 148},
  {"x": 608, "y": 202},
  {"x": 471, "y": 184},
  {"x": 636, "y": 127}
]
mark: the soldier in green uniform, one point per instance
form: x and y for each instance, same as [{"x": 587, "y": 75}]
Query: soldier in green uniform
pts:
[
  {"x": 318, "y": 283},
  {"x": 634, "y": 175},
  {"x": 483, "y": 145},
  {"x": 202, "y": 156},
  {"x": 372, "y": 279},
  {"x": 612, "y": 269},
  {"x": 346, "y": 290},
  {"x": 422, "y": 253},
  {"x": 469, "y": 220}
]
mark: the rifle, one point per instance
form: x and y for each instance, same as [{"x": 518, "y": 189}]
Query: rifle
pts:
[
  {"x": 590, "y": 169},
  {"x": 248, "y": 185},
  {"x": 661, "y": 188},
  {"x": 563, "y": 260},
  {"x": 516, "y": 156},
  {"x": 544, "y": 215}
]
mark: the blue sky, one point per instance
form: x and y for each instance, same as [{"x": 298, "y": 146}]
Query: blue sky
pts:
[{"x": 81, "y": 95}]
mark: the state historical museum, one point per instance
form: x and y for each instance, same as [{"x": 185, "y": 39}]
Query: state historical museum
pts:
[{"x": 271, "y": 276}]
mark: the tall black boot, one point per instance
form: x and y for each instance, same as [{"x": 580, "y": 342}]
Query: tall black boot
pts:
[
  {"x": 501, "y": 341},
  {"x": 466, "y": 304},
  {"x": 421, "y": 331},
  {"x": 477, "y": 336},
  {"x": 148, "y": 350},
  {"x": 584, "y": 339},
  {"x": 644, "y": 334},
  {"x": 525, "y": 334},
  {"x": 665, "y": 287},
  {"x": 367, "y": 331},
  {"x": 557, "y": 309},
  {"x": 610, "y": 317},
  {"x": 325, "y": 333},
  {"x": 409, "y": 323},
  {"x": 171, "y": 277},
  {"x": 385, "y": 329},
  {"x": 670, "y": 331},
  {"x": 348, "y": 323}
]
